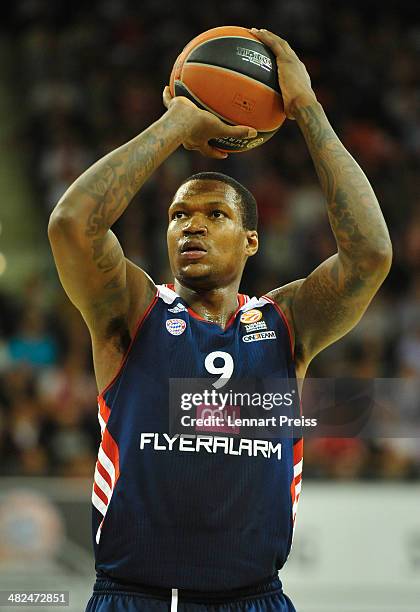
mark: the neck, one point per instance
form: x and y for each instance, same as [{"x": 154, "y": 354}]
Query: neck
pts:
[{"x": 216, "y": 305}]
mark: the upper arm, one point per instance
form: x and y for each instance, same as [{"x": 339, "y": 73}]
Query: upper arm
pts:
[
  {"x": 93, "y": 272},
  {"x": 328, "y": 303}
]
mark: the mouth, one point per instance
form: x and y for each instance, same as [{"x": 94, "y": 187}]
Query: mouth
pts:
[{"x": 193, "y": 250}]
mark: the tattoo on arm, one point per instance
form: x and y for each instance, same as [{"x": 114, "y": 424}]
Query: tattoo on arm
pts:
[
  {"x": 111, "y": 259},
  {"x": 108, "y": 186},
  {"x": 114, "y": 283},
  {"x": 113, "y": 181},
  {"x": 331, "y": 300},
  {"x": 353, "y": 210}
]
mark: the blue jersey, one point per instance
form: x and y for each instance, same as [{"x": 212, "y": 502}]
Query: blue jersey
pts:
[{"x": 200, "y": 512}]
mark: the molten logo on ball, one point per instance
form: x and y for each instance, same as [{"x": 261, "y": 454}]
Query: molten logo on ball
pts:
[{"x": 249, "y": 55}]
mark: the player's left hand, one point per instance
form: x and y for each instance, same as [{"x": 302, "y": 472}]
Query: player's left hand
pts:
[{"x": 294, "y": 80}]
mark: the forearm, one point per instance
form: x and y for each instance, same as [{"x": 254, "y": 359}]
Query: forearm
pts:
[
  {"x": 100, "y": 195},
  {"x": 354, "y": 213}
]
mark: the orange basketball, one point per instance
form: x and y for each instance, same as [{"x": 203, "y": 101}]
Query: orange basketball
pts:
[{"x": 231, "y": 73}]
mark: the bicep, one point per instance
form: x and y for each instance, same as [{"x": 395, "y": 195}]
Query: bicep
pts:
[
  {"x": 98, "y": 279},
  {"x": 331, "y": 301},
  {"x": 91, "y": 269},
  {"x": 93, "y": 273}
]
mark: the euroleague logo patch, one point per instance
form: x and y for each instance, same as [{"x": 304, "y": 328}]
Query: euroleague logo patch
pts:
[
  {"x": 176, "y": 327},
  {"x": 251, "y": 316}
]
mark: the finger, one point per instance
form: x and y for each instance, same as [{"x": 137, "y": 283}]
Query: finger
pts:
[
  {"x": 268, "y": 35},
  {"x": 166, "y": 96},
  {"x": 276, "y": 44},
  {"x": 239, "y": 131}
]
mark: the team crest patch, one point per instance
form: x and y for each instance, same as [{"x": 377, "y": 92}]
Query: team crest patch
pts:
[
  {"x": 176, "y": 327},
  {"x": 251, "y": 316}
]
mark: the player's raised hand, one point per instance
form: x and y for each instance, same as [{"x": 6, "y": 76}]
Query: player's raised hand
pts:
[
  {"x": 294, "y": 80},
  {"x": 202, "y": 126}
]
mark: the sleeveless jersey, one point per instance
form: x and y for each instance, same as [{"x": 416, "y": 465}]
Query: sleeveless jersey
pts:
[{"x": 193, "y": 512}]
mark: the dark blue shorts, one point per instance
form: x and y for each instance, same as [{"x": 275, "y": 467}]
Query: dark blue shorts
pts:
[{"x": 110, "y": 596}]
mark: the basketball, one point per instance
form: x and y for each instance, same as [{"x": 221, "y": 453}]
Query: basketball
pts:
[{"x": 229, "y": 72}]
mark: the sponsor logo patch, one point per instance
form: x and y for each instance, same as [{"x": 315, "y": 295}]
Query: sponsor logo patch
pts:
[
  {"x": 216, "y": 419},
  {"x": 177, "y": 308},
  {"x": 176, "y": 326},
  {"x": 251, "y": 316},
  {"x": 256, "y": 326},
  {"x": 264, "y": 335}
]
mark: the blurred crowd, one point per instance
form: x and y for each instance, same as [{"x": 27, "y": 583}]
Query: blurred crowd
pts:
[{"x": 91, "y": 78}]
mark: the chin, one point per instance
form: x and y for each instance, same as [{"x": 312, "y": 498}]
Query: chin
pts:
[{"x": 197, "y": 276}]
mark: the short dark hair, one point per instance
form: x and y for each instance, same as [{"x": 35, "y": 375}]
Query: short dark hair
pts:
[{"x": 247, "y": 202}]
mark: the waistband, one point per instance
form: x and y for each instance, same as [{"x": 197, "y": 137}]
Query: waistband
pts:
[{"x": 105, "y": 583}]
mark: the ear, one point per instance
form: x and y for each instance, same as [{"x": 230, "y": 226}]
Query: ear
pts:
[{"x": 252, "y": 242}]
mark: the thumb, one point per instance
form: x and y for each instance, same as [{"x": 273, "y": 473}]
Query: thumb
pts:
[
  {"x": 240, "y": 131},
  {"x": 166, "y": 95}
]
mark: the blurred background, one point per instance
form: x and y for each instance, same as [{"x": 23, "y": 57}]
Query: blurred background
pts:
[{"x": 77, "y": 81}]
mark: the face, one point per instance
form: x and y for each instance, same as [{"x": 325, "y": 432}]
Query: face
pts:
[{"x": 207, "y": 244}]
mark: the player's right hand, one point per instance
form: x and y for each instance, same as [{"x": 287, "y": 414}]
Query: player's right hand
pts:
[{"x": 201, "y": 126}]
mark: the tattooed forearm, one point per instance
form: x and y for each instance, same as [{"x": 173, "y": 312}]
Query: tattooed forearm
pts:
[
  {"x": 355, "y": 216},
  {"x": 331, "y": 300},
  {"x": 101, "y": 194}
]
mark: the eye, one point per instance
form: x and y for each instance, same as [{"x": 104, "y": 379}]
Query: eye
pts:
[
  {"x": 217, "y": 214},
  {"x": 178, "y": 214}
]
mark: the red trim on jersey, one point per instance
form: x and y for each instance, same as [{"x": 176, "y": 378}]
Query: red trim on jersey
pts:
[
  {"x": 241, "y": 302},
  {"x": 100, "y": 493},
  {"x": 286, "y": 322},
  {"x": 242, "y": 299},
  {"x": 197, "y": 316},
  {"x": 103, "y": 472},
  {"x": 111, "y": 450},
  {"x": 298, "y": 451},
  {"x": 136, "y": 331},
  {"x": 231, "y": 320},
  {"x": 104, "y": 411},
  {"x": 297, "y": 458}
]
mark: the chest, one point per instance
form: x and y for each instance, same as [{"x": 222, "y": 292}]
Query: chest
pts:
[{"x": 177, "y": 345}]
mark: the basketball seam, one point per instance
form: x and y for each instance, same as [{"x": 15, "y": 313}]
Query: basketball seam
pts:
[
  {"x": 202, "y": 103},
  {"x": 245, "y": 76},
  {"x": 217, "y": 114}
]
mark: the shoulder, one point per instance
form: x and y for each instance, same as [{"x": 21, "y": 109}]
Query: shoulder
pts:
[{"x": 284, "y": 297}]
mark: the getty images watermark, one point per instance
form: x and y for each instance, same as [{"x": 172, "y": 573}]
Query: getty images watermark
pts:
[
  {"x": 224, "y": 411},
  {"x": 279, "y": 408},
  {"x": 249, "y": 408}
]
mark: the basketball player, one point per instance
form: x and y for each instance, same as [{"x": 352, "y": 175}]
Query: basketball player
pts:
[{"x": 191, "y": 522}]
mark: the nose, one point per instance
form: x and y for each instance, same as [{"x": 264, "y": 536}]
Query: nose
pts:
[{"x": 196, "y": 226}]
